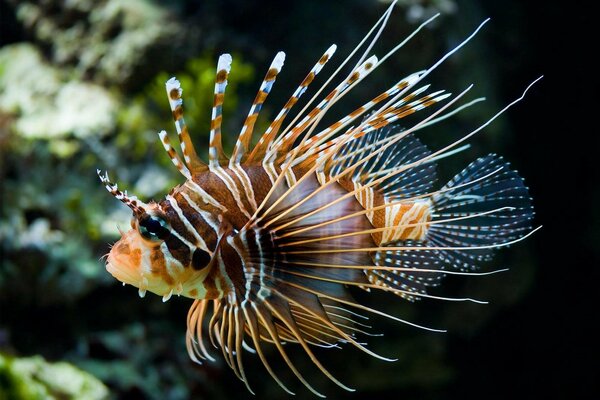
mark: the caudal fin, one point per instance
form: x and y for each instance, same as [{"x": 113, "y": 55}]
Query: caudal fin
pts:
[{"x": 485, "y": 205}]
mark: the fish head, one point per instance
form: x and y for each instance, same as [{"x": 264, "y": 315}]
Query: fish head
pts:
[{"x": 152, "y": 257}]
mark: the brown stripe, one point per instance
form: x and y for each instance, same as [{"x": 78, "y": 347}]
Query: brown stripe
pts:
[
  {"x": 158, "y": 266},
  {"x": 261, "y": 96},
  {"x": 251, "y": 120},
  {"x": 271, "y": 74},
  {"x": 335, "y": 125},
  {"x": 356, "y": 112},
  {"x": 136, "y": 257},
  {"x": 174, "y": 94},
  {"x": 216, "y": 122},
  {"x": 291, "y": 102},
  {"x": 178, "y": 250},
  {"x": 409, "y": 97},
  {"x": 122, "y": 247},
  {"x": 176, "y": 224},
  {"x": 221, "y": 76},
  {"x": 405, "y": 113},
  {"x": 381, "y": 97},
  {"x": 309, "y": 78},
  {"x": 198, "y": 223},
  {"x": 330, "y": 95},
  {"x": 233, "y": 267},
  {"x": 219, "y": 98},
  {"x": 353, "y": 78},
  {"x": 178, "y": 112},
  {"x": 216, "y": 142},
  {"x": 209, "y": 282}
]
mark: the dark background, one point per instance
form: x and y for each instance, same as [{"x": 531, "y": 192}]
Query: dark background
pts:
[{"x": 537, "y": 338}]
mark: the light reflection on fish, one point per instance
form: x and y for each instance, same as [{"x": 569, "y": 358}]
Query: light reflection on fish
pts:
[{"x": 269, "y": 240}]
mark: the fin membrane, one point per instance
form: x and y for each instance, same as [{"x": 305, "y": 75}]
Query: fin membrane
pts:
[
  {"x": 474, "y": 194},
  {"x": 416, "y": 269},
  {"x": 411, "y": 182}
]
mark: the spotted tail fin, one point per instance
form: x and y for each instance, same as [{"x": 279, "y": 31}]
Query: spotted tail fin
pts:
[{"x": 485, "y": 205}]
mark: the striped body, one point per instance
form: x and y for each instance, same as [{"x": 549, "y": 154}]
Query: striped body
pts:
[
  {"x": 234, "y": 193},
  {"x": 271, "y": 241}
]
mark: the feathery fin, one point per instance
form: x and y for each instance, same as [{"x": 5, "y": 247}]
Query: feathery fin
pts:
[
  {"x": 266, "y": 139},
  {"x": 504, "y": 190},
  {"x": 174, "y": 93},
  {"x": 243, "y": 143},
  {"x": 164, "y": 139},
  {"x": 216, "y": 156}
]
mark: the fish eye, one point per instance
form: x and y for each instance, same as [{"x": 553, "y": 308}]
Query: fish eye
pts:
[{"x": 153, "y": 227}]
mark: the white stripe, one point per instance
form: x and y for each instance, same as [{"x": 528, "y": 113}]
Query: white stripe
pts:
[
  {"x": 224, "y": 63},
  {"x": 208, "y": 199},
  {"x": 171, "y": 84},
  {"x": 290, "y": 177},
  {"x": 263, "y": 291},
  {"x": 269, "y": 168},
  {"x": 246, "y": 183},
  {"x": 230, "y": 185},
  {"x": 173, "y": 267},
  {"x": 188, "y": 225},
  {"x": 248, "y": 269},
  {"x": 206, "y": 216},
  {"x": 278, "y": 61},
  {"x": 230, "y": 288}
]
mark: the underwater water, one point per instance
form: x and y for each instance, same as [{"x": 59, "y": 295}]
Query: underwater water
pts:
[{"x": 82, "y": 87}]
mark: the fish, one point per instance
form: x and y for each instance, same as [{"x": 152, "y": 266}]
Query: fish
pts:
[{"x": 271, "y": 241}]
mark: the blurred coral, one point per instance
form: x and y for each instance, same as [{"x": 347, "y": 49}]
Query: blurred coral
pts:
[{"x": 35, "y": 378}]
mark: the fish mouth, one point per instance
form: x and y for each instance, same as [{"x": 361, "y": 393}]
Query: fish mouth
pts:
[
  {"x": 123, "y": 272},
  {"x": 127, "y": 273}
]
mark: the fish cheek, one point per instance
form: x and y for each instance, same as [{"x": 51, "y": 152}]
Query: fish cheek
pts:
[
  {"x": 136, "y": 257},
  {"x": 122, "y": 247},
  {"x": 178, "y": 250},
  {"x": 158, "y": 266},
  {"x": 158, "y": 263}
]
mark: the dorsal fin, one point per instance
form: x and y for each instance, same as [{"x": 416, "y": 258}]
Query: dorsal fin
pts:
[
  {"x": 216, "y": 156},
  {"x": 190, "y": 157},
  {"x": 313, "y": 145},
  {"x": 285, "y": 143},
  {"x": 377, "y": 121},
  {"x": 164, "y": 139},
  {"x": 243, "y": 143},
  {"x": 267, "y": 138}
]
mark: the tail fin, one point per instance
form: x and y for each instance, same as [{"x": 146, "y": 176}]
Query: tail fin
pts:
[
  {"x": 488, "y": 204},
  {"x": 485, "y": 205}
]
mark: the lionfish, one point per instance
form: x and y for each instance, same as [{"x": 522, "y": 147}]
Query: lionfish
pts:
[{"x": 268, "y": 241}]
